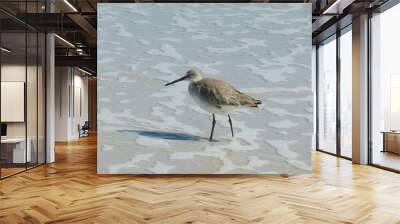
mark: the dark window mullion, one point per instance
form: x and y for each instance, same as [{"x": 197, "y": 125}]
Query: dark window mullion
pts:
[
  {"x": 369, "y": 91},
  {"x": 317, "y": 96},
  {"x": 26, "y": 87},
  {"x": 37, "y": 90},
  {"x": 338, "y": 82},
  {"x": 0, "y": 92}
]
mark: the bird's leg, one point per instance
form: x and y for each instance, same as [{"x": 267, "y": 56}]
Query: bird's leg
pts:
[
  {"x": 212, "y": 128},
  {"x": 230, "y": 122}
]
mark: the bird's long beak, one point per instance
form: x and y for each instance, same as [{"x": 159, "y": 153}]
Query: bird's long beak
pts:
[{"x": 175, "y": 81}]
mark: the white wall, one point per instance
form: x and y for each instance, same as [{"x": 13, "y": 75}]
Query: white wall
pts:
[
  {"x": 62, "y": 81},
  {"x": 79, "y": 117},
  {"x": 17, "y": 73},
  {"x": 14, "y": 72},
  {"x": 70, "y": 83}
]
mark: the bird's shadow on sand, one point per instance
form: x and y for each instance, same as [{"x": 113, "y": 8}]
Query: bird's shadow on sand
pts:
[{"x": 166, "y": 135}]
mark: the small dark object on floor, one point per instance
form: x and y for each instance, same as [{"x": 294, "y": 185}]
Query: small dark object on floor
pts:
[{"x": 84, "y": 130}]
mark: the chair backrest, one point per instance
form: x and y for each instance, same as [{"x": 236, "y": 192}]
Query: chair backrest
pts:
[{"x": 86, "y": 125}]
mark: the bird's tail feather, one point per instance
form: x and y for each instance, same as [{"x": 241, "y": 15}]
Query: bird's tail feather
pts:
[
  {"x": 256, "y": 103},
  {"x": 249, "y": 101}
]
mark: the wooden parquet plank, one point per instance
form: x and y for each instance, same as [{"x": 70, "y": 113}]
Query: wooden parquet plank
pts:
[{"x": 70, "y": 191}]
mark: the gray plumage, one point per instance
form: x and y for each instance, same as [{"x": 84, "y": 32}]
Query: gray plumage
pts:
[{"x": 220, "y": 93}]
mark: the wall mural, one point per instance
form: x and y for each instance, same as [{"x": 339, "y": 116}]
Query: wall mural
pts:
[{"x": 204, "y": 88}]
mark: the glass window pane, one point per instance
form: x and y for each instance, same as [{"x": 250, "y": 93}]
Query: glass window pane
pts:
[
  {"x": 346, "y": 93},
  {"x": 32, "y": 94},
  {"x": 327, "y": 96},
  {"x": 386, "y": 89},
  {"x": 14, "y": 153},
  {"x": 23, "y": 89}
]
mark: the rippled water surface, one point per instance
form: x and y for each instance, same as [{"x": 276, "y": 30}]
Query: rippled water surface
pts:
[{"x": 264, "y": 50}]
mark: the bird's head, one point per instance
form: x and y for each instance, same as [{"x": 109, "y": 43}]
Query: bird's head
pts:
[{"x": 192, "y": 75}]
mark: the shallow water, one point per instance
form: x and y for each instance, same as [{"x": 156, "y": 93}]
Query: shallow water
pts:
[{"x": 264, "y": 50}]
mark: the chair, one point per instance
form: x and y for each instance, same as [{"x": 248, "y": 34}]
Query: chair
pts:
[{"x": 84, "y": 130}]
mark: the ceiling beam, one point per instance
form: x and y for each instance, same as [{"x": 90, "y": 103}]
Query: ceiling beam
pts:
[
  {"x": 79, "y": 61},
  {"x": 86, "y": 26},
  {"x": 337, "y": 7},
  {"x": 49, "y": 22}
]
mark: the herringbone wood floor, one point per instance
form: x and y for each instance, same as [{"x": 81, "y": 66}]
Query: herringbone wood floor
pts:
[{"x": 70, "y": 191}]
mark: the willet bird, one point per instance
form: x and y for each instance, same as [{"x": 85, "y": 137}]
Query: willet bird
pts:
[{"x": 215, "y": 96}]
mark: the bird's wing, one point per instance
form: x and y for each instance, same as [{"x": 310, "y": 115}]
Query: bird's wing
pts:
[
  {"x": 217, "y": 92},
  {"x": 220, "y": 93}
]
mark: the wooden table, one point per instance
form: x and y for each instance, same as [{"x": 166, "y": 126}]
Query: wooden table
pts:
[{"x": 391, "y": 141}]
